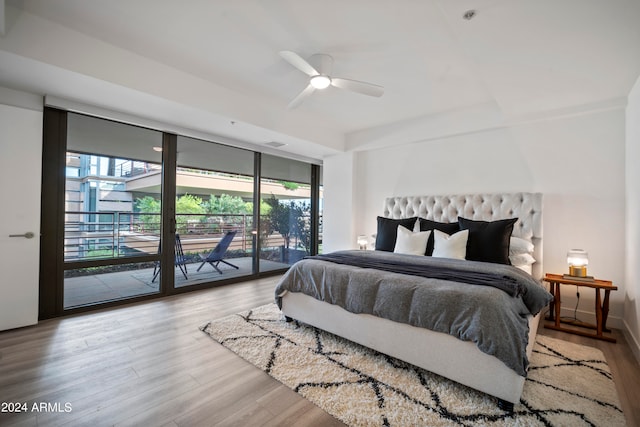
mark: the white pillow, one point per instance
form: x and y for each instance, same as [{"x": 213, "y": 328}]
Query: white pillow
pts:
[
  {"x": 526, "y": 268},
  {"x": 519, "y": 246},
  {"x": 521, "y": 259},
  {"x": 454, "y": 246},
  {"x": 411, "y": 243}
]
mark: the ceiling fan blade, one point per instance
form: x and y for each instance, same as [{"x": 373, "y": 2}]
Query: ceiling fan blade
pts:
[
  {"x": 301, "y": 97},
  {"x": 356, "y": 86},
  {"x": 297, "y": 61}
]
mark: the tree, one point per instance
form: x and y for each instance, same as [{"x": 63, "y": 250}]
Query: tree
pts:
[
  {"x": 226, "y": 204},
  {"x": 303, "y": 226},
  {"x": 151, "y": 206},
  {"x": 188, "y": 205},
  {"x": 185, "y": 204},
  {"x": 279, "y": 219},
  {"x": 290, "y": 220}
]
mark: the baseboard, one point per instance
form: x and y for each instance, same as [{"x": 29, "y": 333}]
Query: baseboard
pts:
[
  {"x": 590, "y": 317},
  {"x": 612, "y": 322},
  {"x": 634, "y": 345}
]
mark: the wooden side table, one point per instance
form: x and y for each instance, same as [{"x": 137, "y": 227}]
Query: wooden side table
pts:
[{"x": 602, "y": 306}]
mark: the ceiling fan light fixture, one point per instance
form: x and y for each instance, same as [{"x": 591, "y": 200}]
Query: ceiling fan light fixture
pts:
[
  {"x": 320, "y": 81},
  {"x": 320, "y": 78}
]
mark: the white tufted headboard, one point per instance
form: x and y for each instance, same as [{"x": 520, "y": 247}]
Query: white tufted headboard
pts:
[{"x": 527, "y": 207}]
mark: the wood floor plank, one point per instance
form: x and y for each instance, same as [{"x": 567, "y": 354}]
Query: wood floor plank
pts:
[
  {"x": 12, "y": 420},
  {"x": 79, "y": 365},
  {"x": 193, "y": 399},
  {"x": 237, "y": 397},
  {"x": 116, "y": 404},
  {"x": 148, "y": 364}
]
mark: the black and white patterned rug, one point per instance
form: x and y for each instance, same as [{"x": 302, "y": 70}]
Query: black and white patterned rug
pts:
[{"x": 568, "y": 384}]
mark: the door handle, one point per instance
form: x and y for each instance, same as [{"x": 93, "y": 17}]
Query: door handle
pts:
[{"x": 27, "y": 235}]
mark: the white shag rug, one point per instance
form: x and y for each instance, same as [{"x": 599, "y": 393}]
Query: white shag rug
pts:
[{"x": 567, "y": 385}]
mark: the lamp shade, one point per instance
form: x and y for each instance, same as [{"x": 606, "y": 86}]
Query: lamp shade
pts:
[
  {"x": 578, "y": 260},
  {"x": 362, "y": 241}
]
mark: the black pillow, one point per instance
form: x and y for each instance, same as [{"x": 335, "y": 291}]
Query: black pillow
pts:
[
  {"x": 488, "y": 240},
  {"x": 446, "y": 227},
  {"x": 388, "y": 231}
]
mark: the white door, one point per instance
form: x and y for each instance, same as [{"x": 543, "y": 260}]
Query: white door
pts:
[{"x": 20, "y": 182}]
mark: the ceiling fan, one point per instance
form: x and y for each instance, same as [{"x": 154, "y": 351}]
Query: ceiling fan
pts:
[{"x": 320, "y": 77}]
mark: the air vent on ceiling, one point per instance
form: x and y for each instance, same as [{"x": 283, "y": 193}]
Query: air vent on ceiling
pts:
[{"x": 275, "y": 144}]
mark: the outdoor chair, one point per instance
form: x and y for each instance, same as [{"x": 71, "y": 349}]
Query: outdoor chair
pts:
[
  {"x": 218, "y": 253},
  {"x": 180, "y": 260}
]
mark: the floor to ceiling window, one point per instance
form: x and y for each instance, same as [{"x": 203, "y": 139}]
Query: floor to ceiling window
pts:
[
  {"x": 103, "y": 233},
  {"x": 285, "y": 211},
  {"x": 142, "y": 212},
  {"x": 214, "y": 212}
]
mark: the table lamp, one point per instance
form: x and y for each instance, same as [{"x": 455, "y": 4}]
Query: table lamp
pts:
[
  {"x": 577, "y": 260},
  {"x": 362, "y": 242}
]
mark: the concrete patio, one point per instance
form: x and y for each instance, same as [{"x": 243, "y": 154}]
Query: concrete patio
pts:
[{"x": 91, "y": 289}]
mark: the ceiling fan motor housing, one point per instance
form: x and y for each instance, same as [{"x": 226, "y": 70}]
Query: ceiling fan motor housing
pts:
[{"x": 322, "y": 63}]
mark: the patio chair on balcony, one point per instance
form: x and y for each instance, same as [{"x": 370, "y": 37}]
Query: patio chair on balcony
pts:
[
  {"x": 218, "y": 253},
  {"x": 180, "y": 260}
]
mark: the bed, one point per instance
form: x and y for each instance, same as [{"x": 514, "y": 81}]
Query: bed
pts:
[{"x": 416, "y": 335}]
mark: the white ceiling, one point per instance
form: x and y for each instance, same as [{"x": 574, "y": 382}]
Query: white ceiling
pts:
[{"x": 516, "y": 57}]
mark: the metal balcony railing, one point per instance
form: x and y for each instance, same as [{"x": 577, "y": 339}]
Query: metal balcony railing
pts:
[{"x": 99, "y": 235}]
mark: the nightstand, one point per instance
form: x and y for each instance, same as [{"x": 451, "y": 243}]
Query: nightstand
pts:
[{"x": 602, "y": 306}]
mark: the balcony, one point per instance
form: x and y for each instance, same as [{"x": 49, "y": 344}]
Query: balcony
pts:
[{"x": 110, "y": 238}]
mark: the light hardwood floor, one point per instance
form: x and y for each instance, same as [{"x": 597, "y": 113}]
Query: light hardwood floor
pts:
[{"x": 147, "y": 364}]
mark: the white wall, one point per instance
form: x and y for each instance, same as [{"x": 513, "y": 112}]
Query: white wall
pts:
[
  {"x": 632, "y": 290},
  {"x": 338, "y": 202},
  {"x": 577, "y": 162}
]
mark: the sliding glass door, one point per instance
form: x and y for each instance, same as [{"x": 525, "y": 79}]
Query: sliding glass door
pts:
[
  {"x": 130, "y": 213},
  {"x": 285, "y": 212},
  {"x": 110, "y": 245},
  {"x": 214, "y": 212}
]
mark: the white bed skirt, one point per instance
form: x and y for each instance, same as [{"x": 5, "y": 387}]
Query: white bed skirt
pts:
[{"x": 436, "y": 352}]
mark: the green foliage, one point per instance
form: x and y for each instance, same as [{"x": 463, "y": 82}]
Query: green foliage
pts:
[
  {"x": 265, "y": 208},
  {"x": 226, "y": 204},
  {"x": 149, "y": 205},
  {"x": 189, "y": 204},
  {"x": 303, "y": 226},
  {"x": 290, "y": 219},
  {"x": 278, "y": 219},
  {"x": 100, "y": 253},
  {"x": 290, "y": 185}
]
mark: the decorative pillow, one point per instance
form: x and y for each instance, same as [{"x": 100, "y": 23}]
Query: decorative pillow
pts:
[
  {"x": 488, "y": 240},
  {"x": 387, "y": 231},
  {"x": 519, "y": 246},
  {"x": 519, "y": 260},
  {"x": 446, "y": 227},
  {"x": 411, "y": 243},
  {"x": 450, "y": 246}
]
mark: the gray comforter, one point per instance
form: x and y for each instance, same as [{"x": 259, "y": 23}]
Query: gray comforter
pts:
[{"x": 488, "y": 316}]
